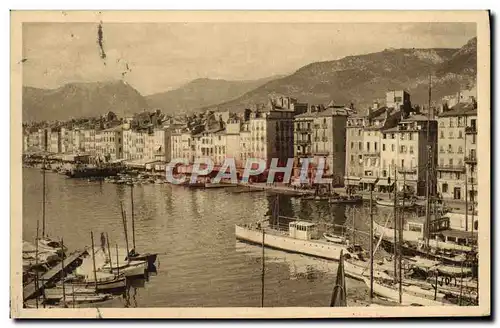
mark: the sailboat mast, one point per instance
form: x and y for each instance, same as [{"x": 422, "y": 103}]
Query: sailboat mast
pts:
[
  {"x": 133, "y": 220},
  {"x": 400, "y": 241},
  {"x": 395, "y": 222},
  {"x": 427, "y": 171},
  {"x": 371, "y": 243},
  {"x": 263, "y": 270},
  {"x": 93, "y": 259},
  {"x": 63, "y": 275},
  {"x": 43, "y": 199},
  {"x": 124, "y": 220}
]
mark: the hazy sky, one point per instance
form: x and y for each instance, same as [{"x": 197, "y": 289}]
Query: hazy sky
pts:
[{"x": 166, "y": 55}]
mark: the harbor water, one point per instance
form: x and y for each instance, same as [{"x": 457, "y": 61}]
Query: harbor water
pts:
[{"x": 201, "y": 264}]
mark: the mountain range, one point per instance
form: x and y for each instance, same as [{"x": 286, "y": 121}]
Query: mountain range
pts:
[{"x": 359, "y": 79}]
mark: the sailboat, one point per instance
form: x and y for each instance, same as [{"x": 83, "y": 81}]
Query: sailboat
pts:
[
  {"x": 46, "y": 244},
  {"x": 150, "y": 258}
]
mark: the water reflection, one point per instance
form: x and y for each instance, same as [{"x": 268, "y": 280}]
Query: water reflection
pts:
[{"x": 193, "y": 230}]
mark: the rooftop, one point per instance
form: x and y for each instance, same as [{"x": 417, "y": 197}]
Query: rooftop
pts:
[{"x": 461, "y": 109}]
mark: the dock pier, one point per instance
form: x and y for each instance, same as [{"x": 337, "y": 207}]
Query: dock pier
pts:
[{"x": 30, "y": 290}]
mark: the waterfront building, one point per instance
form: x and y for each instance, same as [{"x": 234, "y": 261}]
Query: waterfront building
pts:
[
  {"x": 457, "y": 157},
  {"x": 88, "y": 141},
  {"x": 233, "y": 139},
  {"x": 245, "y": 150},
  {"x": 271, "y": 130},
  {"x": 329, "y": 140},
  {"x": 407, "y": 154},
  {"x": 54, "y": 140},
  {"x": 354, "y": 151},
  {"x": 377, "y": 120},
  {"x": 109, "y": 143}
]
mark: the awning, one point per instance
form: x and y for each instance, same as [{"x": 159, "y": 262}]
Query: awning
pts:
[
  {"x": 384, "y": 182},
  {"x": 368, "y": 180}
]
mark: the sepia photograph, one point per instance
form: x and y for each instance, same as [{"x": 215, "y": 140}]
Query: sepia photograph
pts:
[{"x": 177, "y": 164}]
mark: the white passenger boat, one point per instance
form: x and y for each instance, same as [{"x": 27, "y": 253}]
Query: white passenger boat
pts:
[{"x": 302, "y": 237}]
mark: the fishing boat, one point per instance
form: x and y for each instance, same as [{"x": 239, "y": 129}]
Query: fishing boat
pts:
[
  {"x": 413, "y": 231},
  {"x": 390, "y": 203},
  {"x": 411, "y": 295},
  {"x": 355, "y": 199},
  {"x": 149, "y": 257},
  {"x": 316, "y": 198},
  {"x": 302, "y": 238},
  {"x": 74, "y": 294}
]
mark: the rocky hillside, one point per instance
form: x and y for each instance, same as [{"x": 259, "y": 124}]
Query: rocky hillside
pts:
[
  {"x": 202, "y": 93},
  {"x": 81, "y": 100},
  {"x": 358, "y": 79},
  {"x": 365, "y": 78}
]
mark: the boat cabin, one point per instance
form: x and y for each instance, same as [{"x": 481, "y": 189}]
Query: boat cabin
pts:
[
  {"x": 458, "y": 237},
  {"x": 302, "y": 230}
]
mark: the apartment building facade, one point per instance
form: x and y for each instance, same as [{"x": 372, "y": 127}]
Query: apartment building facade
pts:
[
  {"x": 354, "y": 151},
  {"x": 457, "y": 157}
]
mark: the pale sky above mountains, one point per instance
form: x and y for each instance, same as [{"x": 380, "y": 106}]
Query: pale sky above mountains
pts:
[{"x": 166, "y": 55}]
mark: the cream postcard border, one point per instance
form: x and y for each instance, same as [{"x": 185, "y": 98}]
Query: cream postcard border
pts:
[{"x": 481, "y": 18}]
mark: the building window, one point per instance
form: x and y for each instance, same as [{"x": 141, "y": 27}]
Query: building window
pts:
[
  {"x": 457, "y": 175},
  {"x": 411, "y": 149},
  {"x": 450, "y": 149},
  {"x": 460, "y": 150},
  {"x": 393, "y": 136},
  {"x": 367, "y": 146},
  {"x": 360, "y": 145},
  {"x": 402, "y": 163},
  {"x": 441, "y": 135},
  {"x": 451, "y": 135},
  {"x": 383, "y": 147},
  {"x": 410, "y": 136},
  {"x": 352, "y": 145},
  {"x": 375, "y": 146},
  {"x": 451, "y": 161},
  {"x": 444, "y": 188},
  {"x": 393, "y": 147},
  {"x": 460, "y": 136},
  {"x": 384, "y": 136}
]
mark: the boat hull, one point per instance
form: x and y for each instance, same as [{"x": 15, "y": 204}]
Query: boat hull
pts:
[
  {"x": 308, "y": 247},
  {"x": 393, "y": 294}
]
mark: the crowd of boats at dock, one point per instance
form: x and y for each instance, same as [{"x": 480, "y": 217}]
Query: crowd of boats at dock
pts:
[
  {"x": 414, "y": 273},
  {"x": 54, "y": 277},
  {"x": 440, "y": 268}
]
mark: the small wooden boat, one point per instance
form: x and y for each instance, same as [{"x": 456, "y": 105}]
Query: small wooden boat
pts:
[
  {"x": 74, "y": 294},
  {"x": 131, "y": 270},
  {"x": 334, "y": 238},
  {"x": 346, "y": 200},
  {"x": 316, "y": 198},
  {"x": 390, "y": 203},
  {"x": 106, "y": 282},
  {"x": 411, "y": 296},
  {"x": 149, "y": 257}
]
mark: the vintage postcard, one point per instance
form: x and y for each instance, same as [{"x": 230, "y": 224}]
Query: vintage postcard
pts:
[{"x": 250, "y": 164}]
